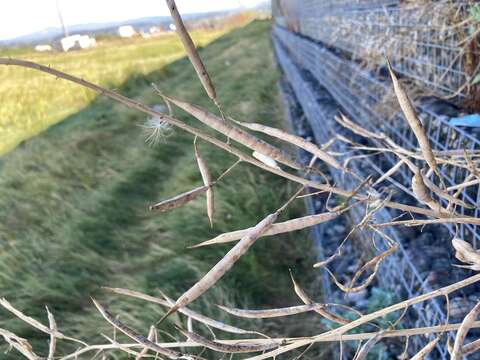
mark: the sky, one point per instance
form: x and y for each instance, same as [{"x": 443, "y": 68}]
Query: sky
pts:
[{"x": 21, "y": 17}]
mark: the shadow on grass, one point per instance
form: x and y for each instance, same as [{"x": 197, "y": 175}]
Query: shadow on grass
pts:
[{"x": 74, "y": 201}]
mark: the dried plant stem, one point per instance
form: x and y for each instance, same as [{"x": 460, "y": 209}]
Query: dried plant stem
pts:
[
  {"x": 467, "y": 322},
  {"x": 295, "y": 140},
  {"x": 151, "y": 337},
  {"x": 367, "y": 347},
  {"x": 234, "y": 132},
  {"x": 471, "y": 347},
  {"x": 53, "y": 340},
  {"x": 179, "y": 200},
  {"x": 427, "y": 349},
  {"x": 372, "y": 316},
  {"x": 228, "y": 348},
  {"x": 191, "y": 51},
  {"x": 415, "y": 222},
  {"x": 19, "y": 344},
  {"x": 219, "y": 269},
  {"x": 135, "y": 335},
  {"x": 187, "y": 312}
]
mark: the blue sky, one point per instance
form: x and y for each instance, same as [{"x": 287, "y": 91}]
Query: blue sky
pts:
[{"x": 22, "y": 17}]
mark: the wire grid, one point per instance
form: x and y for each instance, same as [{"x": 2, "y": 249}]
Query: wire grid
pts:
[
  {"x": 357, "y": 90},
  {"x": 433, "y": 43}
]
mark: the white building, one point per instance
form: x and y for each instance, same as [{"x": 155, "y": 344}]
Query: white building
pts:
[
  {"x": 77, "y": 42},
  {"x": 126, "y": 31},
  {"x": 43, "y": 47}
]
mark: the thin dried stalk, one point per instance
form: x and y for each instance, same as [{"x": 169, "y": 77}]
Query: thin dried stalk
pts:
[
  {"x": 53, "y": 340},
  {"x": 271, "y": 313},
  {"x": 372, "y": 316},
  {"x": 34, "y": 323},
  {"x": 390, "y": 172},
  {"x": 187, "y": 312},
  {"x": 20, "y": 344},
  {"x": 191, "y": 50},
  {"x": 228, "y": 348},
  {"x": 151, "y": 337},
  {"x": 342, "y": 337},
  {"x": 413, "y": 121},
  {"x": 445, "y": 194},
  {"x": 217, "y": 271},
  {"x": 235, "y": 133},
  {"x": 134, "y": 335},
  {"x": 374, "y": 262},
  {"x": 367, "y": 347},
  {"x": 462, "y": 332},
  {"x": 415, "y": 222},
  {"x": 427, "y": 349},
  {"x": 179, "y": 200},
  {"x": 308, "y": 301},
  {"x": 471, "y": 347},
  {"x": 295, "y": 140},
  {"x": 277, "y": 228},
  {"x": 207, "y": 181}
]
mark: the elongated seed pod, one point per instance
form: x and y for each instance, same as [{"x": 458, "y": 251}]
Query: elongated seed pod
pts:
[
  {"x": 422, "y": 194},
  {"x": 427, "y": 349},
  {"x": 191, "y": 50},
  {"x": 463, "y": 331},
  {"x": 135, "y": 335},
  {"x": 295, "y": 140},
  {"x": 412, "y": 120},
  {"x": 228, "y": 348},
  {"x": 278, "y": 228},
  {"x": 184, "y": 310},
  {"x": 235, "y": 133},
  {"x": 271, "y": 313},
  {"x": 308, "y": 301},
  {"x": 178, "y": 200},
  {"x": 207, "y": 181},
  {"x": 225, "y": 264}
]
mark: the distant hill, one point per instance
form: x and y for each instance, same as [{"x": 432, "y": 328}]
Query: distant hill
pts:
[{"x": 53, "y": 33}]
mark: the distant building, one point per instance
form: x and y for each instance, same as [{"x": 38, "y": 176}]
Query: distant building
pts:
[
  {"x": 43, "y": 47},
  {"x": 126, "y": 31},
  {"x": 77, "y": 42}
]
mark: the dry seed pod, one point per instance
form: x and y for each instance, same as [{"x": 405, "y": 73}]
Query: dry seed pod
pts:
[
  {"x": 207, "y": 181},
  {"x": 184, "y": 310},
  {"x": 427, "y": 349},
  {"x": 191, "y": 50},
  {"x": 235, "y": 133},
  {"x": 295, "y": 140},
  {"x": 271, "y": 313},
  {"x": 134, "y": 335},
  {"x": 178, "y": 200},
  {"x": 423, "y": 195},
  {"x": 227, "y": 348},
  {"x": 465, "y": 253},
  {"x": 462, "y": 332},
  {"x": 277, "y": 228},
  {"x": 220, "y": 268},
  {"x": 321, "y": 311},
  {"x": 413, "y": 121}
]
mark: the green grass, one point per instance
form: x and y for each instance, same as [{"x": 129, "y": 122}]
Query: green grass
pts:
[
  {"x": 74, "y": 199},
  {"x": 32, "y": 101}
]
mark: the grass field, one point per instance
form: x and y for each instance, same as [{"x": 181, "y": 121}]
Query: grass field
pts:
[
  {"x": 74, "y": 198},
  {"x": 31, "y": 101}
]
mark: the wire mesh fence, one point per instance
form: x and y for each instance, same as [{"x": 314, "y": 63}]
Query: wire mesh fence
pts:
[
  {"x": 363, "y": 96},
  {"x": 434, "y": 43}
]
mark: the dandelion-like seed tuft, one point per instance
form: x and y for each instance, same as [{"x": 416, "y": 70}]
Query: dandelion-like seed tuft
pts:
[{"x": 155, "y": 128}]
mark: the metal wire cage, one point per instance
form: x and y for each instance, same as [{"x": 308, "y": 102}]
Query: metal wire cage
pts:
[
  {"x": 322, "y": 71},
  {"x": 435, "y": 43}
]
